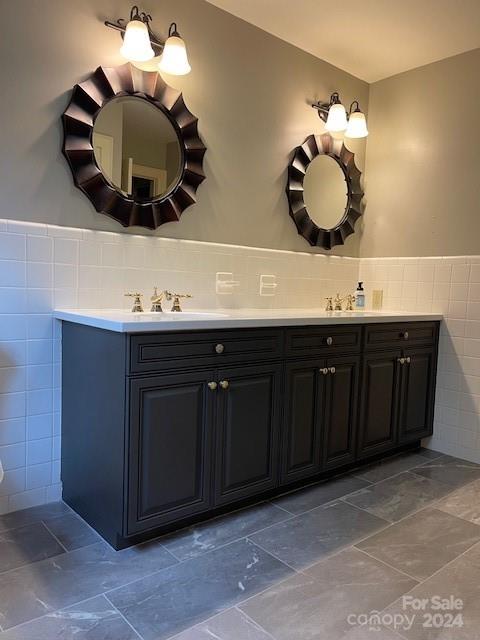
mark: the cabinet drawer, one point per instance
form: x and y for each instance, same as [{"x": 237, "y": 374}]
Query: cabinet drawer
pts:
[
  {"x": 308, "y": 341},
  {"x": 157, "y": 352},
  {"x": 394, "y": 335}
]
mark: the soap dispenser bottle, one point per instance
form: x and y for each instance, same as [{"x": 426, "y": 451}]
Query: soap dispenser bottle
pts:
[{"x": 360, "y": 296}]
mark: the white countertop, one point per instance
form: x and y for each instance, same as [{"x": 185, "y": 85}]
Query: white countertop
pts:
[{"x": 127, "y": 322}]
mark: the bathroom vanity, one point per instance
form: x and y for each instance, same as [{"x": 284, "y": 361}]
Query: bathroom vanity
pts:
[{"x": 172, "y": 420}]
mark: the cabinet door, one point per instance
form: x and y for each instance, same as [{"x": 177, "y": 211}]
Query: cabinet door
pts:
[
  {"x": 303, "y": 419},
  {"x": 341, "y": 408},
  {"x": 379, "y": 403},
  {"x": 247, "y": 431},
  {"x": 170, "y": 440},
  {"x": 417, "y": 396}
]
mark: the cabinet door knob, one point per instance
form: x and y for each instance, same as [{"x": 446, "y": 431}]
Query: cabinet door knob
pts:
[
  {"x": 329, "y": 341},
  {"x": 408, "y": 359},
  {"x": 219, "y": 348},
  {"x": 333, "y": 370},
  {"x": 405, "y": 335},
  {"x": 401, "y": 360},
  {"x": 212, "y": 386},
  {"x": 224, "y": 384},
  {"x": 324, "y": 371}
]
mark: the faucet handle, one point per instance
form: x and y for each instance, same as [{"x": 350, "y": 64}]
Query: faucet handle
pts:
[
  {"x": 176, "y": 299},
  {"x": 350, "y": 301},
  {"x": 137, "y": 302}
]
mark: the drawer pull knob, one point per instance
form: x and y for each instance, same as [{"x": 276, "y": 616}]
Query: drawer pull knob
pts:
[
  {"x": 219, "y": 348},
  {"x": 333, "y": 370},
  {"x": 401, "y": 360},
  {"x": 212, "y": 386},
  {"x": 224, "y": 384},
  {"x": 329, "y": 341},
  {"x": 324, "y": 371},
  {"x": 405, "y": 335}
]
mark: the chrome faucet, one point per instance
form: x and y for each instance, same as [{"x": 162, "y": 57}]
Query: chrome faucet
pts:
[
  {"x": 157, "y": 300},
  {"x": 337, "y": 304},
  {"x": 176, "y": 299}
]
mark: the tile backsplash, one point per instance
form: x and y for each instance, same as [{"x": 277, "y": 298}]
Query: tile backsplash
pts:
[{"x": 43, "y": 267}]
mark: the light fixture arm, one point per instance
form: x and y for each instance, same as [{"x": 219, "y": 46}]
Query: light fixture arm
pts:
[
  {"x": 323, "y": 107},
  {"x": 352, "y": 110}
]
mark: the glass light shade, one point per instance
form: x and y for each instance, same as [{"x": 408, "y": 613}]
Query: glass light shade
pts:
[
  {"x": 174, "y": 58},
  {"x": 337, "y": 118},
  {"x": 136, "y": 42},
  {"x": 357, "y": 126}
]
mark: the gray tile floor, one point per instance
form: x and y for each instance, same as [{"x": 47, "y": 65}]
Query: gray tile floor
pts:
[{"x": 302, "y": 567}]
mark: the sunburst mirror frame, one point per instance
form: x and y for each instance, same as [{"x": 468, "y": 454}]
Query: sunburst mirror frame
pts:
[
  {"x": 88, "y": 98},
  {"x": 303, "y": 155}
]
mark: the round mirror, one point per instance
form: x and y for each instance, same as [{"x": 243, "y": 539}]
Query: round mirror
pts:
[
  {"x": 325, "y": 192},
  {"x": 137, "y": 148}
]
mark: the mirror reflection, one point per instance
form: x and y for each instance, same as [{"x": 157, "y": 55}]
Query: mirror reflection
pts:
[
  {"x": 325, "y": 192},
  {"x": 137, "y": 148}
]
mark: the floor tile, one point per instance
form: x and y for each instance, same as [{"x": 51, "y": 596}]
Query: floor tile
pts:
[
  {"x": 451, "y": 471},
  {"x": 397, "y": 497},
  {"x": 368, "y": 633},
  {"x": 34, "y": 514},
  {"x": 72, "y": 531},
  {"x": 94, "y": 619},
  {"x": 28, "y": 544},
  {"x": 423, "y": 543},
  {"x": 179, "y": 597},
  {"x": 229, "y": 625},
  {"x": 429, "y": 453},
  {"x": 390, "y": 467},
  {"x": 317, "y": 605},
  {"x": 309, "y": 537},
  {"x": 463, "y": 503},
  {"x": 43, "y": 587},
  {"x": 194, "y": 541},
  {"x": 460, "y": 580},
  {"x": 318, "y": 494}
]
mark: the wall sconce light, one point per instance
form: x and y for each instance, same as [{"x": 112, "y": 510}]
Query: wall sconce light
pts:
[
  {"x": 333, "y": 113},
  {"x": 140, "y": 44},
  {"x": 136, "y": 45},
  {"x": 174, "y": 58}
]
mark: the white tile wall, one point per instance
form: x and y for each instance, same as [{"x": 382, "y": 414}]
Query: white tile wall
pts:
[{"x": 43, "y": 267}]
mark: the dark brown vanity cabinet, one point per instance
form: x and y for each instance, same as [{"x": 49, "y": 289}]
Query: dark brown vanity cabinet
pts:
[
  {"x": 398, "y": 386},
  {"x": 162, "y": 429},
  {"x": 379, "y": 402},
  {"x": 417, "y": 391},
  {"x": 320, "y": 415},
  {"x": 170, "y": 448},
  {"x": 247, "y": 431}
]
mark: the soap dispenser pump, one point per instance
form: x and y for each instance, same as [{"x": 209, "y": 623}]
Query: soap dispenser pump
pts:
[{"x": 360, "y": 296}]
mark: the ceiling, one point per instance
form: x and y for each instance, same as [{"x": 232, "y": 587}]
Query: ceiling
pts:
[{"x": 371, "y": 39}]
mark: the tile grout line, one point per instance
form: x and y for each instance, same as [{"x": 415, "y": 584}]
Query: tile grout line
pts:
[
  {"x": 55, "y": 538},
  {"x": 122, "y": 617},
  {"x": 255, "y": 623}
]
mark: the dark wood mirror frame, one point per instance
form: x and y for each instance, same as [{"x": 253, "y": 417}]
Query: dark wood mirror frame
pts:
[
  {"x": 302, "y": 157},
  {"x": 87, "y": 100}
]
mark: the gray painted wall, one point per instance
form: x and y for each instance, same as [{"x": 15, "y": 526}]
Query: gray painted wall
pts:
[
  {"x": 250, "y": 90},
  {"x": 423, "y": 166}
]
